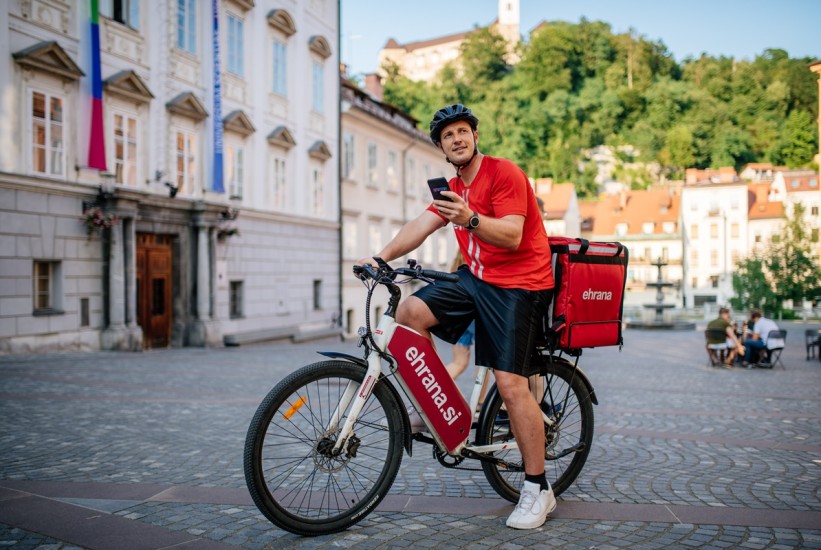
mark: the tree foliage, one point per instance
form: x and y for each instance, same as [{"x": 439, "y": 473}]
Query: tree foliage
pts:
[
  {"x": 578, "y": 85},
  {"x": 786, "y": 270},
  {"x": 753, "y": 286}
]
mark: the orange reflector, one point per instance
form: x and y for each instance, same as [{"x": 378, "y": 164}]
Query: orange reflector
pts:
[{"x": 294, "y": 408}]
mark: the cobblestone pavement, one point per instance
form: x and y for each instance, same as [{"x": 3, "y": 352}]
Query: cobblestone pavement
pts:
[{"x": 144, "y": 450}]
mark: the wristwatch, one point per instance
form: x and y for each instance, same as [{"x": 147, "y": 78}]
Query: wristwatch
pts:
[{"x": 473, "y": 222}]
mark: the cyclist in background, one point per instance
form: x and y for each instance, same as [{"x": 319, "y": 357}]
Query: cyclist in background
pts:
[{"x": 506, "y": 284}]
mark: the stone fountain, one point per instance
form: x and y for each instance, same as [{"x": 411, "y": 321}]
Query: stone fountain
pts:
[{"x": 659, "y": 322}]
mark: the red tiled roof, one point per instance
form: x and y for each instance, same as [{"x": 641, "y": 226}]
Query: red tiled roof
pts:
[
  {"x": 759, "y": 206},
  {"x": 587, "y": 209},
  {"x": 804, "y": 181},
  {"x": 725, "y": 174},
  {"x": 557, "y": 201},
  {"x": 639, "y": 207}
]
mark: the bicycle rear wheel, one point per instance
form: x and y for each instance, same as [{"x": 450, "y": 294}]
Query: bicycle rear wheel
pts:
[
  {"x": 295, "y": 478},
  {"x": 565, "y": 400}
]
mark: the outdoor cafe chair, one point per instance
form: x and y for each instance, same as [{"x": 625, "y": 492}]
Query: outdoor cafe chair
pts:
[
  {"x": 812, "y": 339},
  {"x": 776, "y": 340},
  {"x": 715, "y": 334}
]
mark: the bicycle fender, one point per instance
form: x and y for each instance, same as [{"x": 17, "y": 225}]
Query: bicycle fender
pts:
[
  {"x": 347, "y": 357},
  {"x": 407, "y": 436},
  {"x": 588, "y": 385},
  {"x": 585, "y": 380}
]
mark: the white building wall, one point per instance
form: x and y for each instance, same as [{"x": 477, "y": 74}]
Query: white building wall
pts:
[
  {"x": 281, "y": 250},
  {"x": 715, "y": 230},
  {"x": 374, "y": 211}
]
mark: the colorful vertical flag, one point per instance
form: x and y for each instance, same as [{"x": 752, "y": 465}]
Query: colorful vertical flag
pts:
[
  {"x": 218, "y": 186},
  {"x": 96, "y": 145}
]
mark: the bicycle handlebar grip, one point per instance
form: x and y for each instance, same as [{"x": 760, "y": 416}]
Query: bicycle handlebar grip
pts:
[
  {"x": 366, "y": 269},
  {"x": 440, "y": 275}
]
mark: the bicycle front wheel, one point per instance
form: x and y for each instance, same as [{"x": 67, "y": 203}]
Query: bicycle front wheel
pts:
[
  {"x": 564, "y": 398},
  {"x": 295, "y": 476}
]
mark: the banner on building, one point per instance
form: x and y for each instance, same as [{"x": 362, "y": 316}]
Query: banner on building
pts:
[
  {"x": 217, "y": 186},
  {"x": 96, "y": 145}
]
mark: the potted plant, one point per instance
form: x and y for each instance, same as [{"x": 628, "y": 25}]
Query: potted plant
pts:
[{"x": 97, "y": 220}]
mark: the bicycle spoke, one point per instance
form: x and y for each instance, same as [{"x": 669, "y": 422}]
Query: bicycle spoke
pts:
[
  {"x": 565, "y": 403},
  {"x": 300, "y": 474}
]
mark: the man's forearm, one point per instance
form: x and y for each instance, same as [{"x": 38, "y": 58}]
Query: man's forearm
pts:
[
  {"x": 502, "y": 232},
  {"x": 410, "y": 236}
]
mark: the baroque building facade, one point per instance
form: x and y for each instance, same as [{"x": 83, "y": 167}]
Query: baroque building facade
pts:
[
  {"x": 121, "y": 230},
  {"x": 386, "y": 162}
]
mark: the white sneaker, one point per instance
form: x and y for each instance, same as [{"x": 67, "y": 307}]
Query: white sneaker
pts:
[
  {"x": 417, "y": 425},
  {"x": 533, "y": 507}
]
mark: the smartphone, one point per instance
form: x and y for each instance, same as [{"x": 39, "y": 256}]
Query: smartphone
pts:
[{"x": 437, "y": 185}]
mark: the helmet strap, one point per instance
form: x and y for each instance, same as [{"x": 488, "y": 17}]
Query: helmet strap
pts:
[{"x": 460, "y": 167}]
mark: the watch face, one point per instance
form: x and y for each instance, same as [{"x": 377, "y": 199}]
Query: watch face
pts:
[{"x": 474, "y": 221}]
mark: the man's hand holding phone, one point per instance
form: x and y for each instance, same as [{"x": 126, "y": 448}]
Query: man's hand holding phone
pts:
[
  {"x": 454, "y": 209},
  {"x": 437, "y": 185}
]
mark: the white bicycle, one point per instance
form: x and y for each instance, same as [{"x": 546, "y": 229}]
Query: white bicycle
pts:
[{"x": 325, "y": 444}]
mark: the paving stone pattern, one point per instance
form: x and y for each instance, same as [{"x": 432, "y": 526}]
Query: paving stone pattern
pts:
[{"x": 670, "y": 432}]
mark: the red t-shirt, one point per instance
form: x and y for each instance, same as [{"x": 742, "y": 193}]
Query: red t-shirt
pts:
[{"x": 500, "y": 189}]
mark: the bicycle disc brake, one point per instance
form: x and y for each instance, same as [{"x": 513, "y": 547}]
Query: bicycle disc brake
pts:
[{"x": 328, "y": 460}]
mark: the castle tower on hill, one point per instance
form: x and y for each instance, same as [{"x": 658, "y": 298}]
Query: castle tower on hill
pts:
[
  {"x": 508, "y": 26},
  {"x": 422, "y": 60}
]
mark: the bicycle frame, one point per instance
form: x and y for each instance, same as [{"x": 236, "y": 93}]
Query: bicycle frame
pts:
[
  {"x": 413, "y": 357},
  {"x": 321, "y": 469}
]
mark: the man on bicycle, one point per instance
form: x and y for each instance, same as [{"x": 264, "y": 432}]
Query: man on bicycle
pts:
[{"x": 506, "y": 285}]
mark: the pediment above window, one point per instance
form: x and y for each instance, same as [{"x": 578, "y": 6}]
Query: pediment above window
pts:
[
  {"x": 282, "y": 21},
  {"x": 281, "y": 137},
  {"x": 188, "y": 105},
  {"x": 320, "y": 46},
  {"x": 238, "y": 121},
  {"x": 128, "y": 84},
  {"x": 51, "y": 58},
  {"x": 319, "y": 151},
  {"x": 244, "y": 4}
]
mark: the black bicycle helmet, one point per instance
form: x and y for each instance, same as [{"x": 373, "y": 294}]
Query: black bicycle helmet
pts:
[{"x": 447, "y": 115}]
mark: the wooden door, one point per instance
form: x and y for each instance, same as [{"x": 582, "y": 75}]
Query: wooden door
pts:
[{"x": 154, "y": 286}]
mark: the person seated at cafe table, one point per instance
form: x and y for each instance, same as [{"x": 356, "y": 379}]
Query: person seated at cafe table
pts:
[
  {"x": 734, "y": 346},
  {"x": 757, "y": 342}
]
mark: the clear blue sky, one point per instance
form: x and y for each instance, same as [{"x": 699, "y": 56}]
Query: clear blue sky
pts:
[{"x": 737, "y": 28}]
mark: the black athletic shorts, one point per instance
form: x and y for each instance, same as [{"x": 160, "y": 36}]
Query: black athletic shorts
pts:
[{"x": 508, "y": 320}]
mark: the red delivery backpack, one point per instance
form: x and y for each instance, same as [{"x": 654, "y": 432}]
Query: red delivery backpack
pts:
[{"x": 588, "y": 298}]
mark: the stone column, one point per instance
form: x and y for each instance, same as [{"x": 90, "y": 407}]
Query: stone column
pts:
[
  {"x": 115, "y": 335},
  {"x": 203, "y": 332},
  {"x": 203, "y": 275},
  {"x": 130, "y": 255},
  {"x": 116, "y": 278}
]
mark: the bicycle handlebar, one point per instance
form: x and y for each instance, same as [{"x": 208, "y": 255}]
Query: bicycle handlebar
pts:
[
  {"x": 415, "y": 271},
  {"x": 429, "y": 274}
]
